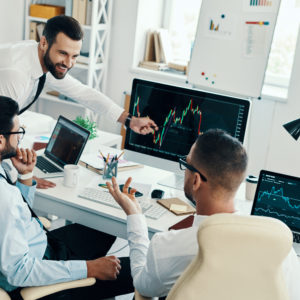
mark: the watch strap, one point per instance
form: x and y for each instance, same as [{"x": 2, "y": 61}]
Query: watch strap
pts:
[{"x": 128, "y": 120}]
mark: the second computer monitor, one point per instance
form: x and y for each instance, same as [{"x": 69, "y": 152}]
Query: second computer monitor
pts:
[{"x": 181, "y": 114}]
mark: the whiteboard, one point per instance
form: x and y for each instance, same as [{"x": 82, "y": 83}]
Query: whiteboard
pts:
[{"x": 232, "y": 45}]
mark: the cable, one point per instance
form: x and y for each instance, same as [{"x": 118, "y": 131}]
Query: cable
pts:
[{"x": 117, "y": 250}]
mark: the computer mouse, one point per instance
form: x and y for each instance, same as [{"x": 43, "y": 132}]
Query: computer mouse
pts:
[{"x": 157, "y": 194}]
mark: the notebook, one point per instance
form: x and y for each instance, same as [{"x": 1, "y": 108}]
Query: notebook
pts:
[
  {"x": 278, "y": 196},
  {"x": 65, "y": 146}
]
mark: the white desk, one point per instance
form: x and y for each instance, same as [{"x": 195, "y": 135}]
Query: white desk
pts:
[{"x": 65, "y": 203}]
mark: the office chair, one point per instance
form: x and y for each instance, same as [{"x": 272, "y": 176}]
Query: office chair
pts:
[
  {"x": 239, "y": 257},
  {"x": 32, "y": 293}
]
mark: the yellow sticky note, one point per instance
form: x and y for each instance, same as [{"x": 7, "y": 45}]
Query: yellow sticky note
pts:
[{"x": 178, "y": 207}]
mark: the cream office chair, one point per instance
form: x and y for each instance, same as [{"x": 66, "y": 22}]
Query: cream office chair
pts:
[
  {"x": 32, "y": 293},
  {"x": 239, "y": 257}
]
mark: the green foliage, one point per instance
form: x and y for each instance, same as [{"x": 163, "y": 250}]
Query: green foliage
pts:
[{"x": 87, "y": 124}]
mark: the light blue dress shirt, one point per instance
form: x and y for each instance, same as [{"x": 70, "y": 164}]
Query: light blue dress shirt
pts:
[{"x": 23, "y": 243}]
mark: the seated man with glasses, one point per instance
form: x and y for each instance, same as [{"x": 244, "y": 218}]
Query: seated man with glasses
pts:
[
  {"x": 214, "y": 169},
  {"x": 32, "y": 256}
]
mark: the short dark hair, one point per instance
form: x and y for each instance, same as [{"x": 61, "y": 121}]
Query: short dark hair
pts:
[
  {"x": 222, "y": 157},
  {"x": 8, "y": 109},
  {"x": 65, "y": 24}
]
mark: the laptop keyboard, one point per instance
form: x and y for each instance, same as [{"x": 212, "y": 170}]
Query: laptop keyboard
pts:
[
  {"x": 150, "y": 210},
  {"x": 296, "y": 237},
  {"x": 47, "y": 167}
]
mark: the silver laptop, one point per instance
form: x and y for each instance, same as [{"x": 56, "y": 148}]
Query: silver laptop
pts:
[
  {"x": 65, "y": 146},
  {"x": 278, "y": 196}
]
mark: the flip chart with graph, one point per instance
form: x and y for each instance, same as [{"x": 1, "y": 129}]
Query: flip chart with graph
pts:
[{"x": 232, "y": 45}]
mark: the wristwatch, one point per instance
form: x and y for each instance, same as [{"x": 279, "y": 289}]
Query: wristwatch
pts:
[
  {"x": 25, "y": 176},
  {"x": 128, "y": 120}
]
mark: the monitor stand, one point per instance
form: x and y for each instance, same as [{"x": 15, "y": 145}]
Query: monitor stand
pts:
[{"x": 175, "y": 180}]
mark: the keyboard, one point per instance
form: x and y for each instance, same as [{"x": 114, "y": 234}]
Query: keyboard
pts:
[
  {"x": 150, "y": 210},
  {"x": 47, "y": 167},
  {"x": 174, "y": 181},
  {"x": 296, "y": 237}
]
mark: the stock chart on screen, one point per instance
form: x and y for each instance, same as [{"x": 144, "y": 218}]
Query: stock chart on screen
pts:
[{"x": 181, "y": 115}]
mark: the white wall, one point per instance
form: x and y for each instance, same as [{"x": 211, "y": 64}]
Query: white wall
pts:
[
  {"x": 11, "y": 20},
  {"x": 269, "y": 146}
]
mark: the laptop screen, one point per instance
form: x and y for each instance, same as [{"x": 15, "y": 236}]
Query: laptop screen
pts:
[
  {"x": 67, "y": 142},
  {"x": 278, "y": 196}
]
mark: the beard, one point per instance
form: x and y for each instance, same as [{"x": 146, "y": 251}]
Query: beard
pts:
[
  {"x": 8, "y": 152},
  {"x": 52, "y": 67},
  {"x": 189, "y": 195}
]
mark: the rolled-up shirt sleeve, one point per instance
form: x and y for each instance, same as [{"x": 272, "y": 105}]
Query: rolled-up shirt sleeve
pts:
[{"x": 143, "y": 263}]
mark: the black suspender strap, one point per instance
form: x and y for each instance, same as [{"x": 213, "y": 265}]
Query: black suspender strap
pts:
[
  {"x": 33, "y": 214},
  {"x": 38, "y": 92}
]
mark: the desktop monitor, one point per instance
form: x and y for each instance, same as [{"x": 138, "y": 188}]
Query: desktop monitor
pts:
[{"x": 181, "y": 114}]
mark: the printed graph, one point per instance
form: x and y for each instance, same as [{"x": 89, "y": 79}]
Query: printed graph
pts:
[
  {"x": 213, "y": 26},
  {"x": 260, "y": 3}
]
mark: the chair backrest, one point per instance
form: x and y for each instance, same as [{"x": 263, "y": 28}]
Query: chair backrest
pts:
[
  {"x": 4, "y": 295},
  {"x": 239, "y": 257}
]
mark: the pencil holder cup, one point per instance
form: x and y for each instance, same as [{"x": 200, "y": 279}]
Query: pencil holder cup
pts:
[{"x": 110, "y": 170}]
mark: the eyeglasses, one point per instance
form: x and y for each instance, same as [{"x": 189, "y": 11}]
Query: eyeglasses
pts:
[
  {"x": 184, "y": 165},
  {"x": 21, "y": 133}
]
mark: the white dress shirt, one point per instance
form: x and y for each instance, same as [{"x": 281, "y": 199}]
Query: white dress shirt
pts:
[
  {"x": 20, "y": 70},
  {"x": 23, "y": 243},
  {"x": 156, "y": 265}
]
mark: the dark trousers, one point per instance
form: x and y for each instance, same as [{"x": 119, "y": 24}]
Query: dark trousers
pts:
[{"x": 82, "y": 243}]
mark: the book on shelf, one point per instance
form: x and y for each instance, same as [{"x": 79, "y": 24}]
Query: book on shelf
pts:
[
  {"x": 82, "y": 11},
  {"x": 40, "y": 28},
  {"x": 157, "y": 51},
  {"x": 164, "y": 42},
  {"x": 75, "y": 9},
  {"x": 152, "y": 65},
  {"x": 33, "y": 31},
  {"x": 88, "y": 16},
  {"x": 149, "y": 49},
  {"x": 178, "y": 65}
]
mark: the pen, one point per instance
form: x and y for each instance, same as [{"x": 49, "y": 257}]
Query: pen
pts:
[
  {"x": 102, "y": 156},
  {"x": 120, "y": 155},
  {"x": 107, "y": 158}
]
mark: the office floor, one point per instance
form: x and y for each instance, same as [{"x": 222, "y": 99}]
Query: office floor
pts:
[{"x": 120, "y": 249}]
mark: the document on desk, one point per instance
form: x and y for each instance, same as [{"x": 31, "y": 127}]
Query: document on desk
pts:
[{"x": 95, "y": 161}]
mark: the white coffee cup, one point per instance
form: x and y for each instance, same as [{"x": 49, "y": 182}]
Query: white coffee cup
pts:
[
  {"x": 251, "y": 184},
  {"x": 71, "y": 173}
]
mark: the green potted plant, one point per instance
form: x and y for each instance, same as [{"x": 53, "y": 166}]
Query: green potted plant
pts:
[{"x": 87, "y": 124}]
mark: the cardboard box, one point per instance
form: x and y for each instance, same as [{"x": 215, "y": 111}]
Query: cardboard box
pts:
[{"x": 46, "y": 11}]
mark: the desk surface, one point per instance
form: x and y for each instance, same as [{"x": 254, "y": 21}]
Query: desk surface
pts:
[{"x": 64, "y": 202}]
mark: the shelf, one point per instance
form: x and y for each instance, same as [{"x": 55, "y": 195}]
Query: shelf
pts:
[
  {"x": 58, "y": 100},
  {"x": 88, "y": 27},
  {"x": 86, "y": 67}
]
